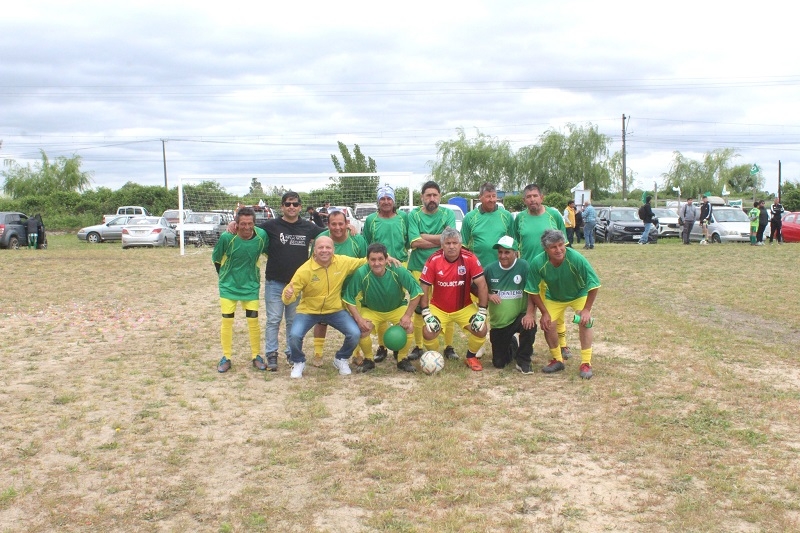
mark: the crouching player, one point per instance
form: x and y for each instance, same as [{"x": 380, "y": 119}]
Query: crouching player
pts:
[
  {"x": 451, "y": 272},
  {"x": 570, "y": 282},
  {"x": 381, "y": 289}
]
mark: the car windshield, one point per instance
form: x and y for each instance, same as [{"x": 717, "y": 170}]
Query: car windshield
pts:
[
  {"x": 624, "y": 215},
  {"x": 665, "y": 213},
  {"x": 730, "y": 215},
  {"x": 200, "y": 218}
]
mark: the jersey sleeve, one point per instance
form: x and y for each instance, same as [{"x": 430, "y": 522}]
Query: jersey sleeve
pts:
[
  {"x": 220, "y": 247},
  {"x": 408, "y": 282}
]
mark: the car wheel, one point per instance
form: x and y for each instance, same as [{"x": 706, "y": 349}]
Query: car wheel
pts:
[
  {"x": 13, "y": 243},
  {"x": 716, "y": 239},
  {"x": 93, "y": 238}
]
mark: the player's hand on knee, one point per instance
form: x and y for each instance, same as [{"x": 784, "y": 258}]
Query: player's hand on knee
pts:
[{"x": 432, "y": 323}]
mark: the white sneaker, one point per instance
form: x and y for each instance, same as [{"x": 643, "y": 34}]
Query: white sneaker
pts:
[
  {"x": 343, "y": 365},
  {"x": 297, "y": 370},
  {"x": 704, "y": 241}
]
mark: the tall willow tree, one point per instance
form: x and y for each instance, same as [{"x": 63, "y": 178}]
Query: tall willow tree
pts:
[{"x": 45, "y": 177}]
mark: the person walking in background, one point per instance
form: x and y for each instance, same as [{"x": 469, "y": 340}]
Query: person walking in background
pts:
[
  {"x": 705, "y": 217},
  {"x": 34, "y": 227},
  {"x": 569, "y": 222},
  {"x": 687, "y": 215},
  {"x": 776, "y": 212},
  {"x": 646, "y": 214},
  {"x": 753, "y": 215},
  {"x": 589, "y": 223}
]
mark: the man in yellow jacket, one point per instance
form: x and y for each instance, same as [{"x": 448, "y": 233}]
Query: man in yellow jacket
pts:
[{"x": 320, "y": 281}]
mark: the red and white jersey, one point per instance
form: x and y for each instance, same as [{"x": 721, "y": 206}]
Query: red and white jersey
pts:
[{"x": 451, "y": 282}]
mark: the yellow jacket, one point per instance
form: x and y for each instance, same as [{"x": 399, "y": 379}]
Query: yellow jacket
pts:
[
  {"x": 321, "y": 287},
  {"x": 569, "y": 217}
]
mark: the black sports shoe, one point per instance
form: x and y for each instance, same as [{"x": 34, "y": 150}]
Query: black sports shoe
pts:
[
  {"x": 553, "y": 366},
  {"x": 365, "y": 366},
  {"x": 415, "y": 354},
  {"x": 524, "y": 367},
  {"x": 272, "y": 361},
  {"x": 406, "y": 366},
  {"x": 566, "y": 353},
  {"x": 381, "y": 354},
  {"x": 450, "y": 353}
]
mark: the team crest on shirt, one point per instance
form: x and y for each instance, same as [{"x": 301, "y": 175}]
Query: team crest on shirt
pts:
[
  {"x": 462, "y": 270},
  {"x": 425, "y": 269},
  {"x": 517, "y": 279}
]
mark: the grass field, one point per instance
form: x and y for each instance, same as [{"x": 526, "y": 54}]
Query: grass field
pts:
[{"x": 115, "y": 419}]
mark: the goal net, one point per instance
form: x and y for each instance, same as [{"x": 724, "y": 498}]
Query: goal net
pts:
[{"x": 207, "y": 203}]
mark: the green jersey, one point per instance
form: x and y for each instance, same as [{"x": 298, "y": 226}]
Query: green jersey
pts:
[
  {"x": 510, "y": 286},
  {"x": 573, "y": 279},
  {"x": 753, "y": 216},
  {"x": 481, "y": 230},
  {"x": 528, "y": 230},
  {"x": 420, "y": 222},
  {"x": 239, "y": 274},
  {"x": 381, "y": 293},
  {"x": 391, "y": 232},
  {"x": 353, "y": 245}
]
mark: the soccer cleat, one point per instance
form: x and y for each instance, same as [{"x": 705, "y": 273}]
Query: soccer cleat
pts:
[
  {"x": 258, "y": 363},
  {"x": 416, "y": 353},
  {"x": 450, "y": 353},
  {"x": 381, "y": 354},
  {"x": 343, "y": 365},
  {"x": 473, "y": 364},
  {"x": 365, "y": 366},
  {"x": 317, "y": 361},
  {"x": 566, "y": 353},
  {"x": 297, "y": 370},
  {"x": 406, "y": 366},
  {"x": 553, "y": 366},
  {"x": 224, "y": 365},
  {"x": 272, "y": 361},
  {"x": 586, "y": 371},
  {"x": 524, "y": 367}
]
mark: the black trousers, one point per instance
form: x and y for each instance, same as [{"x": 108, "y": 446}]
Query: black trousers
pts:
[
  {"x": 760, "y": 233},
  {"x": 775, "y": 230},
  {"x": 504, "y": 345}
]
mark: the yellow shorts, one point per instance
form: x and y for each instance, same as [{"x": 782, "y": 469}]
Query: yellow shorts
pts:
[
  {"x": 459, "y": 317},
  {"x": 556, "y": 309},
  {"x": 228, "y": 307},
  {"x": 379, "y": 317}
]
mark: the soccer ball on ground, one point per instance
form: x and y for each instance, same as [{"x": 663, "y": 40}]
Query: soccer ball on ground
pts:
[{"x": 431, "y": 362}]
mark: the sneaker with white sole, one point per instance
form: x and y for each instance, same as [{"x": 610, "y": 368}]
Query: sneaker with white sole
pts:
[
  {"x": 343, "y": 366},
  {"x": 297, "y": 370}
]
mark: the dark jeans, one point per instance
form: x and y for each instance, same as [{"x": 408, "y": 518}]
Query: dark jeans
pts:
[
  {"x": 760, "y": 234},
  {"x": 570, "y": 236},
  {"x": 687, "y": 230},
  {"x": 502, "y": 340},
  {"x": 775, "y": 231}
]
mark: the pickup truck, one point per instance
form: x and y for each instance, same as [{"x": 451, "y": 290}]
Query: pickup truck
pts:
[{"x": 135, "y": 210}]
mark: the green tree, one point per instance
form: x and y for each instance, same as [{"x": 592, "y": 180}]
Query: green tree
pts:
[
  {"x": 256, "y": 189},
  {"x": 696, "y": 177},
  {"x": 790, "y": 196},
  {"x": 354, "y": 189},
  {"x": 464, "y": 164},
  {"x": 44, "y": 177}
]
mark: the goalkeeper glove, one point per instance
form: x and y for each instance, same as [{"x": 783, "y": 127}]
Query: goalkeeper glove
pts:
[
  {"x": 432, "y": 323},
  {"x": 478, "y": 320}
]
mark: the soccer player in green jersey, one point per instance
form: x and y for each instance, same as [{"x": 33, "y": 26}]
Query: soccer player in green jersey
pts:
[
  {"x": 381, "y": 290},
  {"x": 390, "y": 228},
  {"x": 344, "y": 243},
  {"x": 483, "y": 226},
  {"x": 425, "y": 227},
  {"x": 511, "y": 311},
  {"x": 570, "y": 281},
  {"x": 236, "y": 257}
]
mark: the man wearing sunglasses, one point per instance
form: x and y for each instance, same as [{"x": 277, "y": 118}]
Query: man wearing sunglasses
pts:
[{"x": 290, "y": 238}]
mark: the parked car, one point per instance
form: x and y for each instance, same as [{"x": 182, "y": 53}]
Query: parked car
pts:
[
  {"x": 351, "y": 217},
  {"x": 728, "y": 224},
  {"x": 621, "y": 224},
  {"x": 204, "y": 228},
  {"x": 128, "y": 210},
  {"x": 14, "y": 231},
  {"x": 148, "y": 231},
  {"x": 791, "y": 227},
  {"x": 457, "y": 212},
  {"x": 667, "y": 222},
  {"x": 172, "y": 216},
  {"x": 110, "y": 231},
  {"x": 362, "y": 211}
]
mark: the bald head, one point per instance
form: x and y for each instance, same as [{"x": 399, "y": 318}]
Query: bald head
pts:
[{"x": 323, "y": 250}]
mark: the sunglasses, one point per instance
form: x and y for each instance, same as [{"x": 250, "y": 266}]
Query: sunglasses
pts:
[{"x": 291, "y": 204}]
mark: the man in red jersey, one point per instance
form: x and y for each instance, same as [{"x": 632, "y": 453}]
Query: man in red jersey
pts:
[{"x": 454, "y": 271}]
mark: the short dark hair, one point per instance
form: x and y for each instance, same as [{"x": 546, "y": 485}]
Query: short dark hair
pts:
[
  {"x": 487, "y": 187},
  {"x": 245, "y": 211},
  {"x": 647, "y": 199},
  {"x": 291, "y": 194},
  {"x": 335, "y": 212},
  {"x": 430, "y": 185},
  {"x": 377, "y": 248},
  {"x": 532, "y": 187},
  {"x": 755, "y": 204},
  {"x": 571, "y": 202}
]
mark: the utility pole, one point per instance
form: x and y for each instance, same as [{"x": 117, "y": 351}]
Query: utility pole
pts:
[
  {"x": 164, "y": 155},
  {"x": 624, "y": 163},
  {"x": 779, "y": 181}
]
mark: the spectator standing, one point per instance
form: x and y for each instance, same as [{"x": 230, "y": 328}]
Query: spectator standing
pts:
[
  {"x": 315, "y": 217},
  {"x": 578, "y": 224},
  {"x": 705, "y": 217},
  {"x": 753, "y": 215},
  {"x": 589, "y": 223},
  {"x": 763, "y": 221},
  {"x": 646, "y": 214},
  {"x": 688, "y": 214},
  {"x": 569, "y": 222},
  {"x": 34, "y": 227},
  {"x": 776, "y": 221}
]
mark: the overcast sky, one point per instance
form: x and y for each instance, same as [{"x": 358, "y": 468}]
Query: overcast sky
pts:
[{"x": 246, "y": 88}]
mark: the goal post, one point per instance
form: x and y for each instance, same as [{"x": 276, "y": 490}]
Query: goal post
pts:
[{"x": 221, "y": 195}]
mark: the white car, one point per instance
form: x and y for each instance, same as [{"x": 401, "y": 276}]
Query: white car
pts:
[
  {"x": 728, "y": 224},
  {"x": 667, "y": 222},
  {"x": 351, "y": 217},
  {"x": 457, "y": 212}
]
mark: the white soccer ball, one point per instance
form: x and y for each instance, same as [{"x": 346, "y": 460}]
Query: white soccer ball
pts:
[{"x": 431, "y": 362}]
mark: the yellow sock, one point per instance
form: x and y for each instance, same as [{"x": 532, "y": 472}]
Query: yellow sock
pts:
[
  {"x": 319, "y": 344},
  {"x": 403, "y": 353},
  {"x": 586, "y": 356},
  {"x": 226, "y": 336},
  {"x": 382, "y": 327},
  {"x": 254, "y": 331},
  {"x": 561, "y": 328},
  {"x": 556, "y": 353},
  {"x": 418, "y": 340},
  {"x": 366, "y": 347}
]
